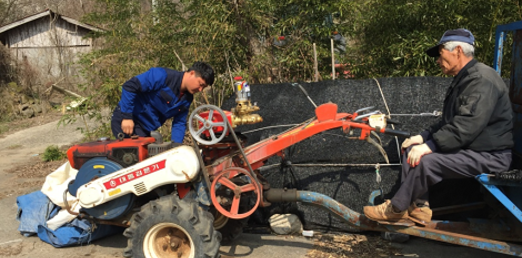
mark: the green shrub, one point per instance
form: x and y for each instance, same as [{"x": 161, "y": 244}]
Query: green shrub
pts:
[{"x": 52, "y": 153}]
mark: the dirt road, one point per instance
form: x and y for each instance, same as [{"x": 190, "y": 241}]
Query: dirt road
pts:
[{"x": 21, "y": 149}]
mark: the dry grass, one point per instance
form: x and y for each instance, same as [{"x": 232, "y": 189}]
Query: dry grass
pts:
[
  {"x": 351, "y": 245},
  {"x": 27, "y": 178},
  {"x": 12, "y": 147},
  {"x": 11, "y": 250},
  {"x": 36, "y": 168}
]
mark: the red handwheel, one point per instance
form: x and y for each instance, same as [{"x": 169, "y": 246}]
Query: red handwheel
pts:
[{"x": 239, "y": 183}]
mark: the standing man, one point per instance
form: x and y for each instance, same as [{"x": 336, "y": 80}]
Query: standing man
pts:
[
  {"x": 473, "y": 137},
  {"x": 149, "y": 99}
]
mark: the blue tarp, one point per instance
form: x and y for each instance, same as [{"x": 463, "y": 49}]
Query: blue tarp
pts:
[{"x": 35, "y": 209}]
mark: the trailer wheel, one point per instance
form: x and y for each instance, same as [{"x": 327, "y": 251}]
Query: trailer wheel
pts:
[{"x": 170, "y": 227}]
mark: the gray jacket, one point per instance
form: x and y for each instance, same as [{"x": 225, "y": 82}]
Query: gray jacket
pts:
[{"x": 477, "y": 113}]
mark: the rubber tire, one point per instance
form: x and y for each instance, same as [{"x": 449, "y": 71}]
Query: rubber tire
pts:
[{"x": 185, "y": 213}]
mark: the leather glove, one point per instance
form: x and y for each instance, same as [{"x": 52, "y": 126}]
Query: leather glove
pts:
[
  {"x": 414, "y": 140},
  {"x": 416, "y": 152}
]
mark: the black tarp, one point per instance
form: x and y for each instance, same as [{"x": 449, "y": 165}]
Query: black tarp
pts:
[{"x": 283, "y": 104}]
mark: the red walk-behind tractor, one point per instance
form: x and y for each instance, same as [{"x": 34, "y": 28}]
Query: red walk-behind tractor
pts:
[{"x": 183, "y": 201}]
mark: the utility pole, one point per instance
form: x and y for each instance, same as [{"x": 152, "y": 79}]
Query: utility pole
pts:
[
  {"x": 316, "y": 71},
  {"x": 333, "y": 58}
]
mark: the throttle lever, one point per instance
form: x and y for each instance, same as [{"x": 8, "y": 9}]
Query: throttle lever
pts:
[
  {"x": 305, "y": 93},
  {"x": 393, "y": 122},
  {"x": 396, "y": 133},
  {"x": 358, "y": 118},
  {"x": 363, "y": 109}
]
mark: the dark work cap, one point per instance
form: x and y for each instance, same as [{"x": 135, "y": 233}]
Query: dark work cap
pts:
[{"x": 461, "y": 35}]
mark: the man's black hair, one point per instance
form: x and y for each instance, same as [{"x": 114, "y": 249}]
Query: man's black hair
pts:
[{"x": 204, "y": 71}]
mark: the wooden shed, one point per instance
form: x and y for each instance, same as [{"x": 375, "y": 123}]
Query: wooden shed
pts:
[{"x": 49, "y": 44}]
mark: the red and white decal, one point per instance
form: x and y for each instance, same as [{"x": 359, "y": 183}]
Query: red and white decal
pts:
[{"x": 115, "y": 182}]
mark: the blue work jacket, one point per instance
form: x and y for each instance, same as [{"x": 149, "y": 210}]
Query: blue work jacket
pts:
[{"x": 153, "y": 97}]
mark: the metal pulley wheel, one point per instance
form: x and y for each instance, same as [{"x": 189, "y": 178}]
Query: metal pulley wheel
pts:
[
  {"x": 226, "y": 179},
  {"x": 208, "y": 120}
]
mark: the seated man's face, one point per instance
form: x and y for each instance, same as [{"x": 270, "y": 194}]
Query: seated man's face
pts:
[{"x": 448, "y": 60}]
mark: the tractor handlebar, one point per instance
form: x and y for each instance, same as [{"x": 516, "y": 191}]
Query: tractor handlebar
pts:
[{"x": 397, "y": 133}]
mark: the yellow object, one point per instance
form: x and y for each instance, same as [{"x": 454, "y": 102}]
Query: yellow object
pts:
[
  {"x": 115, "y": 191},
  {"x": 377, "y": 121},
  {"x": 98, "y": 166}
]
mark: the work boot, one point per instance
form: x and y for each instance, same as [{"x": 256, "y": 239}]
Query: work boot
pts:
[
  {"x": 384, "y": 213},
  {"x": 421, "y": 215}
]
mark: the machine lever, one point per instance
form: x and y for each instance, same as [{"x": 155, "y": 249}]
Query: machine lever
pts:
[
  {"x": 358, "y": 118},
  {"x": 393, "y": 122},
  {"x": 397, "y": 133},
  {"x": 305, "y": 93}
]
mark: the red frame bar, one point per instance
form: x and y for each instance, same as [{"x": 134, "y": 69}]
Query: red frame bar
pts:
[{"x": 327, "y": 119}]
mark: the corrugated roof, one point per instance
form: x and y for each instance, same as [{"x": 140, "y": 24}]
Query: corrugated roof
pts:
[
  {"x": 43, "y": 14},
  {"x": 24, "y": 21},
  {"x": 81, "y": 24}
]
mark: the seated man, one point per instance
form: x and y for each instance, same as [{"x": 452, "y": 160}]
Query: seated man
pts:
[
  {"x": 149, "y": 99},
  {"x": 473, "y": 137}
]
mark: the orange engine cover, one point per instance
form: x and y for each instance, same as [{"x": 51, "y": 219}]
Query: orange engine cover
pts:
[{"x": 126, "y": 152}]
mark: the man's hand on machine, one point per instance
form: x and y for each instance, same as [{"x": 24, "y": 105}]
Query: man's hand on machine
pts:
[
  {"x": 416, "y": 152},
  {"x": 414, "y": 140},
  {"x": 127, "y": 125}
]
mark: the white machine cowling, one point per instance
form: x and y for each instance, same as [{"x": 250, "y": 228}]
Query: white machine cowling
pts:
[{"x": 178, "y": 165}]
